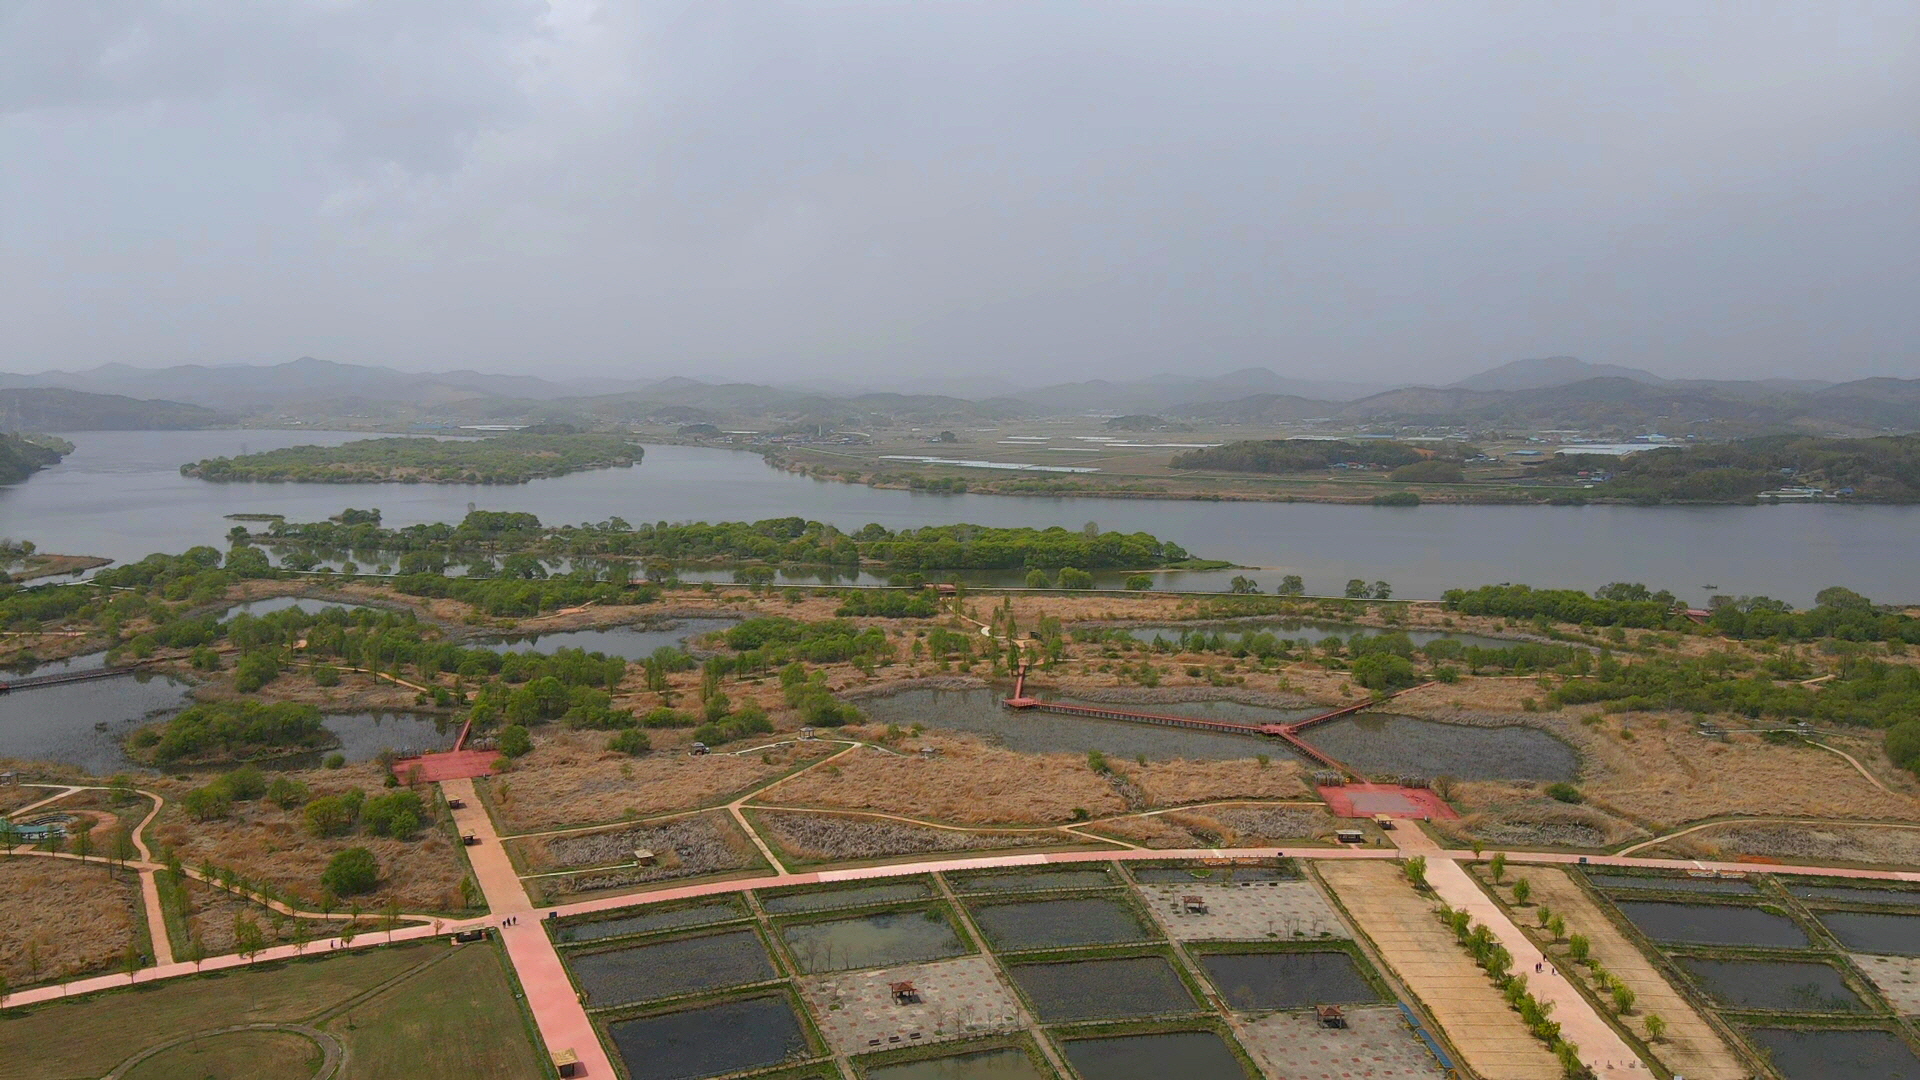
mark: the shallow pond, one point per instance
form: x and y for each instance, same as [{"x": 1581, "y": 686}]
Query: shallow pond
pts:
[
  {"x": 84, "y": 724},
  {"x": 1713, "y": 924},
  {"x": 829, "y": 899},
  {"x": 650, "y": 921},
  {"x": 883, "y": 940},
  {"x": 1860, "y": 895},
  {"x": 365, "y": 736},
  {"x": 1103, "y": 989},
  {"x": 665, "y": 969},
  {"x": 1837, "y": 1055},
  {"x": 979, "y": 712},
  {"x": 1673, "y": 884},
  {"x": 1006, "y": 1063},
  {"x": 1211, "y": 875},
  {"x": 92, "y": 661},
  {"x": 709, "y": 1041},
  {"x": 308, "y": 604},
  {"x": 1774, "y": 985},
  {"x": 1049, "y": 924},
  {"x": 1286, "y": 980},
  {"x": 1379, "y": 743},
  {"x": 1190, "y": 1055},
  {"x": 626, "y": 642},
  {"x": 1861, "y": 931},
  {"x": 1031, "y": 880}
]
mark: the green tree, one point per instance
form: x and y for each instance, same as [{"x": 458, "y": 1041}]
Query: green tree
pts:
[
  {"x": 1139, "y": 582},
  {"x": 515, "y": 742},
  {"x": 1497, "y": 866},
  {"x": 1382, "y": 591},
  {"x": 351, "y": 873},
  {"x": 1522, "y": 889},
  {"x": 248, "y": 939},
  {"x": 1292, "y": 585},
  {"x": 631, "y": 741},
  {"x": 1356, "y": 589},
  {"x": 1071, "y": 578},
  {"x": 1579, "y": 947},
  {"x": 1656, "y": 1027},
  {"x": 1623, "y": 998},
  {"x": 1243, "y": 585},
  {"x": 1415, "y": 868},
  {"x": 1038, "y": 579}
]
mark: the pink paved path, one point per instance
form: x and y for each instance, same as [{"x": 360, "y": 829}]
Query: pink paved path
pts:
[{"x": 555, "y": 1005}]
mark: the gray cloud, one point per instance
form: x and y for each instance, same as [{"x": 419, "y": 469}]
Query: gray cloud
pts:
[{"x": 1379, "y": 191}]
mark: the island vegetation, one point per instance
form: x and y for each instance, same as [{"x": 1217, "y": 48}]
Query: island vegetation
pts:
[
  {"x": 1882, "y": 469},
  {"x": 1304, "y": 455},
  {"x": 23, "y": 455},
  {"x": 501, "y": 459}
]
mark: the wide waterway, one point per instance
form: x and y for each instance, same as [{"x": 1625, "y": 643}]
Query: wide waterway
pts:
[{"x": 120, "y": 495}]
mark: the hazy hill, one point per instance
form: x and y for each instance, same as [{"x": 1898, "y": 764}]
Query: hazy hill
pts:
[
  {"x": 1258, "y": 409},
  {"x": 20, "y": 459},
  {"x": 1546, "y": 371},
  {"x": 56, "y": 409}
]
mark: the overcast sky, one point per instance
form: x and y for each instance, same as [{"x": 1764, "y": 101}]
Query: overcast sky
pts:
[{"x": 1042, "y": 191}]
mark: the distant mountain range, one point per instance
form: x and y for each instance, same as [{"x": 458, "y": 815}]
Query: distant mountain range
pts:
[{"x": 1544, "y": 393}]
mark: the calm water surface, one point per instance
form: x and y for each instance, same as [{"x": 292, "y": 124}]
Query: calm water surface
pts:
[
  {"x": 1838, "y": 1055},
  {"x": 84, "y": 724},
  {"x": 626, "y": 642},
  {"x": 1190, "y": 1055},
  {"x": 1003, "y": 1064},
  {"x": 120, "y": 494}
]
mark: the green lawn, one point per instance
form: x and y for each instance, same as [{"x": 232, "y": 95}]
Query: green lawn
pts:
[{"x": 453, "y": 1019}]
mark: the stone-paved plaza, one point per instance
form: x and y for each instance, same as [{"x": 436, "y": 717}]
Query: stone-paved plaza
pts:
[
  {"x": 1376, "y": 1044},
  {"x": 1254, "y": 911},
  {"x": 1897, "y": 977},
  {"x": 960, "y": 997}
]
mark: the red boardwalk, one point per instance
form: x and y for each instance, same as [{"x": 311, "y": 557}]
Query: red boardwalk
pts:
[
  {"x": 452, "y": 765},
  {"x": 1366, "y": 800}
]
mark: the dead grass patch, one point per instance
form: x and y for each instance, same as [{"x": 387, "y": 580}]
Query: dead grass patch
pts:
[
  {"x": 832, "y": 838},
  {"x": 967, "y": 782},
  {"x": 1847, "y": 844},
  {"x": 63, "y": 919},
  {"x": 1175, "y": 783}
]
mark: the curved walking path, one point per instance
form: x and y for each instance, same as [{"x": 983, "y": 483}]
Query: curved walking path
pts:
[{"x": 332, "y": 1052}]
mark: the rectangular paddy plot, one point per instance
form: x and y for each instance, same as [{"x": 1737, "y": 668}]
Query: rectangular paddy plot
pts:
[
  {"x": 1837, "y": 1055},
  {"x": 1119, "y": 989},
  {"x": 1006, "y": 1063},
  {"x": 1252, "y": 911},
  {"x": 1055, "y": 924},
  {"x": 1856, "y": 894},
  {"x": 664, "y": 969},
  {"x": 1669, "y": 883},
  {"x": 1861, "y": 931},
  {"x": 711, "y": 1040},
  {"x": 858, "y": 1014},
  {"x": 1377, "y": 1044},
  {"x": 1774, "y": 985},
  {"x": 1211, "y": 875},
  {"x": 858, "y": 896},
  {"x": 1190, "y": 1055},
  {"x": 881, "y": 939},
  {"x": 649, "y": 922},
  {"x": 1264, "y": 981},
  {"x": 1713, "y": 924},
  {"x": 993, "y": 881}
]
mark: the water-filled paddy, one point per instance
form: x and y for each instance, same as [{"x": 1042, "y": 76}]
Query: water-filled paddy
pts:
[
  {"x": 1863, "y": 931},
  {"x": 829, "y": 899},
  {"x": 1190, "y": 1055},
  {"x": 1774, "y": 985},
  {"x": 648, "y": 922},
  {"x": 1006, "y": 1063},
  {"x": 1673, "y": 884},
  {"x": 84, "y": 724},
  {"x": 1713, "y": 924},
  {"x": 709, "y": 1041},
  {"x": 1857, "y": 894},
  {"x": 1050, "y": 924},
  {"x": 92, "y": 661},
  {"x": 1093, "y": 877},
  {"x": 1378, "y": 743},
  {"x": 1287, "y": 980},
  {"x": 882, "y": 940},
  {"x": 1837, "y": 1055},
  {"x": 979, "y": 712},
  {"x": 626, "y": 642},
  {"x": 1211, "y": 875},
  {"x": 665, "y": 969},
  {"x": 1103, "y": 989}
]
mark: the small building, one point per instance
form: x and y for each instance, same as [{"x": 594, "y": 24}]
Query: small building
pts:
[
  {"x": 904, "y": 993},
  {"x": 1385, "y": 821},
  {"x": 1193, "y": 905},
  {"x": 1350, "y": 836},
  {"x": 1330, "y": 1016},
  {"x": 567, "y": 1063},
  {"x": 644, "y": 857}
]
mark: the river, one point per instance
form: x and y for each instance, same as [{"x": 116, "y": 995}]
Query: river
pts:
[{"x": 120, "y": 495}]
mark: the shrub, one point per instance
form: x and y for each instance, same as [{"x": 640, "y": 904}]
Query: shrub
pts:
[
  {"x": 515, "y": 742},
  {"x": 398, "y": 814},
  {"x": 326, "y": 675},
  {"x": 209, "y": 803},
  {"x": 1038, "y": 579},
  {"x": 1139, "y": 582},
  {"x": 330, "y": 815},
  {"x": 631, "y": 741},
  {"x": 1071, "y": 578},
  {"x": 286, "y": 793},
  {"x": 1565, "y": 792},
  {"x": 335, "y": 761},
  {"x": 255, "y": 670},
  {"x": 352, "y": 872},
  {"x": 245, "y": 783}
]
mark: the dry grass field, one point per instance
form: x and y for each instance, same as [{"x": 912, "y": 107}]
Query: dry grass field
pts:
[
  {"x": 63, "y": 918},
  {"x": 1422, "y": 953},
  {"x": 968, "y": 782},
  {"x": 834, "y": 838},
  {"x": 571, "y": 779},
  {"x": 1690, "y": 1047},
  {"x": 1865, "y": 845}
]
